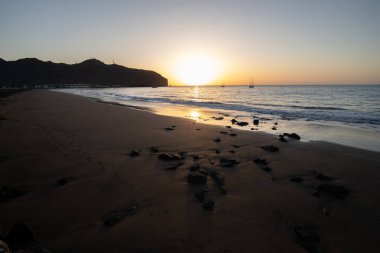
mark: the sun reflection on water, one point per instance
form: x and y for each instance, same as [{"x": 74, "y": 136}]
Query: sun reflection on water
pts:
[{"x": 195, "y": 93}]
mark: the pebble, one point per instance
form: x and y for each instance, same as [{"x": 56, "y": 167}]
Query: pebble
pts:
[
  {"x": 117, "y": 216},
  {"x": 169, "y": 157},
  {"x": 134, "y": 153},
  {"x": 228, "y": 162},
  {"x": 154, "y": 149},
  {"x": 260, "y": 161},
  {"x": 270, "y": 148},
  {"x": 296, "y": 179}
]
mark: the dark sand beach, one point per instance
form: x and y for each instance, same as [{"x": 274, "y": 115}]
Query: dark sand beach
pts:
[{"x": 85, "y": 176}]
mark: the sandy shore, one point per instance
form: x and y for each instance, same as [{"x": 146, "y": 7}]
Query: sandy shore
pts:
[{"x": 66, "y": 171}]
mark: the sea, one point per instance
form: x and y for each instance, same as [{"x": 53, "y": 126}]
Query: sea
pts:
[{"x": 343, "y": 114}]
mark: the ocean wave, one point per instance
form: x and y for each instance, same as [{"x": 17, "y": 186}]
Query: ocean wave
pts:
[
  {"x": 309, "y": 113},
  {"x": 287, "y": 110}
]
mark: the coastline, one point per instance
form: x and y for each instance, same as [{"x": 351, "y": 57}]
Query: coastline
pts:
[
  {"x": 48, "y": 136},
  {"x": 341, "y": 124}
]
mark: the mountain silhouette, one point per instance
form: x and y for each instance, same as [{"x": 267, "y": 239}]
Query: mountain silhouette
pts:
[{"x": 92, "y": 72}]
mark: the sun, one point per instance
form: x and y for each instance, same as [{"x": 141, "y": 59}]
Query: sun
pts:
[{"x": 197, "y": 70}]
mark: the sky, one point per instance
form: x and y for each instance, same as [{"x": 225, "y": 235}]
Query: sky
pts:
[{"x": 271, "y": 41}]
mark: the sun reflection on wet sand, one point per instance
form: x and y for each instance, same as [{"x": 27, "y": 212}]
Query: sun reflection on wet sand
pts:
[{"x": 195, "y": 114}]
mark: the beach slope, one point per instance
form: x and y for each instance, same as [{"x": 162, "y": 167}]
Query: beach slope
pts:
[{"x": 84, "y": 176}]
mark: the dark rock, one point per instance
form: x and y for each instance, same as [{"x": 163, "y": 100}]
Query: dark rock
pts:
[
  {"x": 233, "y": 134},
  {"x": 134, "y": 153},
  {"x": 225, "y": 160},
  {"x": 232, "y": 151},
  {"x": 209, "y": 205},
  {"x": 323, "y": 177},
  {"x": 200, "y": 196},
  {"x": 234, "y": 121},
  {"x": 4, "y": 247},
  {"x": 196, "y": 179},
  {"x": 274, "y": 128},
  {"x": 256, "y": 122},
  {"x": 276, "y": 123},
  {"x": 154, "y": 149},
  {"x": 336, "y": 191},
  {"x": 174, "y": 126},
  {"x": 217, "y": 151},
  {"x": 217, "y": 140},
  {"x": 169, "y": 129},
  {"x": 286, "y": 134},
  {"x": 218, "y": 118},
  {"x": 64, "y": 180},
  {"x": 10, "y": 192},
  {"x": 271, "y": 148},
  {"x": 235, "y": 146},
  {"x": 266, "y": 168},
  {"x": 296, "y": 179},
  {"x": 294, "y": 136},
  {"x": 228, "y": 127},
  {"x": 198, "y": 129},
  {"x": 20, "y": 234},
  {"x": 222, "y": 132},
  {"x": 281, "y": 138},
  {"x": 117, "y": 216},
  {"x": 242, "y": 123},
  {"x": 204, "y": 172},
  {"x": 260, "y": 161},
  {"x": 228, "y": 162},
  {"x": 170, "y": 157}
]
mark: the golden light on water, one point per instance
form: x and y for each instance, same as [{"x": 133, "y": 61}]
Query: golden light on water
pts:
[
  {"x": 194, "y": 114},
  {"x": 197, "y": 69}
]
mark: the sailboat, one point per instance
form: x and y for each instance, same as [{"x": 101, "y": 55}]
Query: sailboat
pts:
[{"x": 251, "y": 83}]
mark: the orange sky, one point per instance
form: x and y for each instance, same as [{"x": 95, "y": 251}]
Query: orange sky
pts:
[{"x": 275, "y": 42}]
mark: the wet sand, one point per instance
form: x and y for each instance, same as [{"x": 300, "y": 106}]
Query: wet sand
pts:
[{"x": 83, "y": 176}]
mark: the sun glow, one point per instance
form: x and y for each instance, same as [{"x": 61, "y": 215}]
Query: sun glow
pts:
[
  {"x": 194, "y": 114},
  {"x": 197, "y": 70}
]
